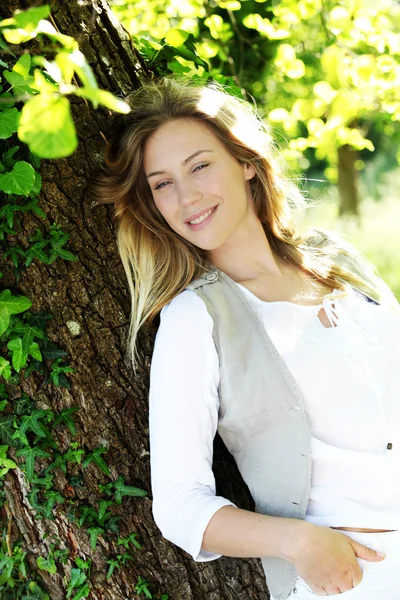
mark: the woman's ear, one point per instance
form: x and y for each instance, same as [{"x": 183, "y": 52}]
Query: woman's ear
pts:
[{"x": 249, "y": 171}]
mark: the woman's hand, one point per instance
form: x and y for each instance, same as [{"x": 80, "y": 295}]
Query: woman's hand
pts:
[{"x": 327, "y": 559}]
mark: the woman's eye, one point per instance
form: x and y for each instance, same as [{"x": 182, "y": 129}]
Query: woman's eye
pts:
[
  {"x": 201, "y": 166},
  {"x": 161, "y": 185}
]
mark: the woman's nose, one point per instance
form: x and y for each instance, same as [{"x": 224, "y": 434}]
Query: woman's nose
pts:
[{"x": 189, "y": 193}]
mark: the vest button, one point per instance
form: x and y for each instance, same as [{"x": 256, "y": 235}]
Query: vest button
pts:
[{"x": 211, "y": 276}]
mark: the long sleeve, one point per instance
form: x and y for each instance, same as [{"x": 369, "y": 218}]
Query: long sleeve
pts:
[{"x": 184, "y": 405}]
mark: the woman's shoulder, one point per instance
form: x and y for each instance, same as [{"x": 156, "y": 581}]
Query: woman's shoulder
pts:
[{"x": 185, "y": 308}]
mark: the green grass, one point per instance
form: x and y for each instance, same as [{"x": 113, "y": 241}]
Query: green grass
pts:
[{"x": 376, "y": 234}]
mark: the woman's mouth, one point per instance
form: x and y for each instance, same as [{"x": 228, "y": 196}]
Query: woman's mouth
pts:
[{"x": 202, "y": 221}]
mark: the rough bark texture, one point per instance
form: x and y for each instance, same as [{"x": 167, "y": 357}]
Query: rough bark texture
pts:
[
  {"x": 347, "y": 183},
  {"x": 112, "y": 403}
]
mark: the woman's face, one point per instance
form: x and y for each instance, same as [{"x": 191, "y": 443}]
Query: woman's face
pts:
[{"x": 198, "y": 187}]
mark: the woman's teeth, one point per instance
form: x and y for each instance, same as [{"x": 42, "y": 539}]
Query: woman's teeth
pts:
[{"x": 200, "y": 219}]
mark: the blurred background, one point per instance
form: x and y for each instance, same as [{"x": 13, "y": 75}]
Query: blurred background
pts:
[{"x": 324, "y": 75}]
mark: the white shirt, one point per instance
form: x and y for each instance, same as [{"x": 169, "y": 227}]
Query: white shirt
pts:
[{"x": 349, "y": 375}]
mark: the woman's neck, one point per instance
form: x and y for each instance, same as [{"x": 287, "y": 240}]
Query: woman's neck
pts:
[{"x": 248, "y": 256}]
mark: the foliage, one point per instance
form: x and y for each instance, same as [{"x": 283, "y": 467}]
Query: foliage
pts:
[
  {"x": 326, "y": 74},
  {"x": 27, "y": 432},
  {"x": 45, "y": 123},
  {"x": 16, "y": 580}
]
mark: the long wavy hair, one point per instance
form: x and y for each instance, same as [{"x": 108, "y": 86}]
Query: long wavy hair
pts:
[{"x": 158, "y": 262}]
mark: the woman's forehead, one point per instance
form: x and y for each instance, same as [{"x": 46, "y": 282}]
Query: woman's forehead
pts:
[{"x": 178, "y": 139}]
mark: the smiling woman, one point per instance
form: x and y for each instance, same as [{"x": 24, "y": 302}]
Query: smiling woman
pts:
[
  {"x": 201, "y": 193},
  {"x": 286, "y": 342}
]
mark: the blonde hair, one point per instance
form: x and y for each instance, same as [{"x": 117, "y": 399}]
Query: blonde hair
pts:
[{"x": 158, "y": 262}]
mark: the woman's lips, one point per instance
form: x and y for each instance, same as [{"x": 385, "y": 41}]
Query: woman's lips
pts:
[{"x": 197, "y": 226}]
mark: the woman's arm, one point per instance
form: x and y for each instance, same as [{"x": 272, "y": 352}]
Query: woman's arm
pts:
[
  {"x": 236, "y": 532},
  {"x": 183, "y": 419},
  {"x": 323, "y": 557}
]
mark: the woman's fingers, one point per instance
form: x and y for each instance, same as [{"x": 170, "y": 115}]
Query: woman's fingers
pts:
[
  {"x": 329, "y": 565},
  {"x": 366, "y": 553}
]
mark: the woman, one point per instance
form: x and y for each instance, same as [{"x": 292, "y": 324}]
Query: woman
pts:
[{"x": 287, "y": 343}]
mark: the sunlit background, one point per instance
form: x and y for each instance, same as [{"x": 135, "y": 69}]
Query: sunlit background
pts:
[{"x": 326, "y": 77}]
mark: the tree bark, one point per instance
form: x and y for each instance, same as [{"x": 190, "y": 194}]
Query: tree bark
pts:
[
  {"x": 348, "y": 179},
  {"x": 90, "y": 304}
]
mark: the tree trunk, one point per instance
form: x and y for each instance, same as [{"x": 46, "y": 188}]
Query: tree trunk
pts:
[
  {"x": 348, "y": 181},
  {"x": 90, "y": 304}
]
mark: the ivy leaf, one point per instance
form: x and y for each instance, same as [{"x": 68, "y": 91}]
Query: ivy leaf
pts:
[
  {"x": 13, "y": 253},
  {"x": 35, "y": 191},
  {"x": 52, "y": 496},
  {"x": 20, "y": 85},
  {"x": 8, "y": 157},
  {"x": 34, "y": 351},
  {"x": 104, "y": 98},
  {"x": 36, "y": 251},
  {"x": 46, "y": 126},
  {"x": 7, "y": 430},
  {"x": 19, "y": 358},
  {"x": 65, "y": 416},
  {"x": 37, "y": 592},
  {"x": 126, "y": 490},
  {"x": 47, "y": 564},
  {"x": 29, "y": 19},
  {"x": 83, "y": 592},
  {"x": 95, "y": 456},
  {"x": 32, "y": 422},
  {"x": 30, "y": 455},
  {"x": 5, "y": 368},
  {"x": 77, "y": 578},
  {"x": 23, "y": 65},
  {"x": 94, "y": 532},
  {"x": 11, "y": 305},
  {"x": 20, "y": 180},
  {"x": 9, "y": 120}
]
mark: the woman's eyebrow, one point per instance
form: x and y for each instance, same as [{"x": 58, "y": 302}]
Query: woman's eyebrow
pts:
[{"x": 184, "y": 162}]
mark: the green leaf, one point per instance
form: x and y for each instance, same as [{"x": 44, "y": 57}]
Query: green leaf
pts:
[
  {"x": 8, "y": 157},
  {"x": 36, "y": 251},
  {"x": 34, "y": 351},
  {"x": 19, "y": 358},
  {"x": 95, "y": 456},
  {"x": 32, "y": 422},
  {"x": 46, "y": 126},
  {"x": 65, "y": 416},
  {"x": 9, "y": 119},
  {"x": 11, "y": 305},
  {"x": 20, "y": 180},
  {"x": 47, "y": 564},
  {"x": 23, "y": 65},
  {"x": 83, "y": 564},
  {"x": 20, "y": 85},
  {"x": 176, "y": 37},
  {"x": 126, "y": 490},
  {"x": 77, "y": 578},
  {"x": 83, "y": 592},
  {"x": 104, "y": 98},
  {"x": 35, "y": 191},
  {"x": 5, "y": 368},
  {"x": 94, "y": 532},
  {"x": 51, "y": 498},
  {"x": 30, "y": 455},
  {"x": 29, "y": 19},
  {"x": 7, "y": 429}
]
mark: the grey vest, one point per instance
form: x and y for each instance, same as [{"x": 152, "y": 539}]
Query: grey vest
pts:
[{"x": 262, "y": 418}]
